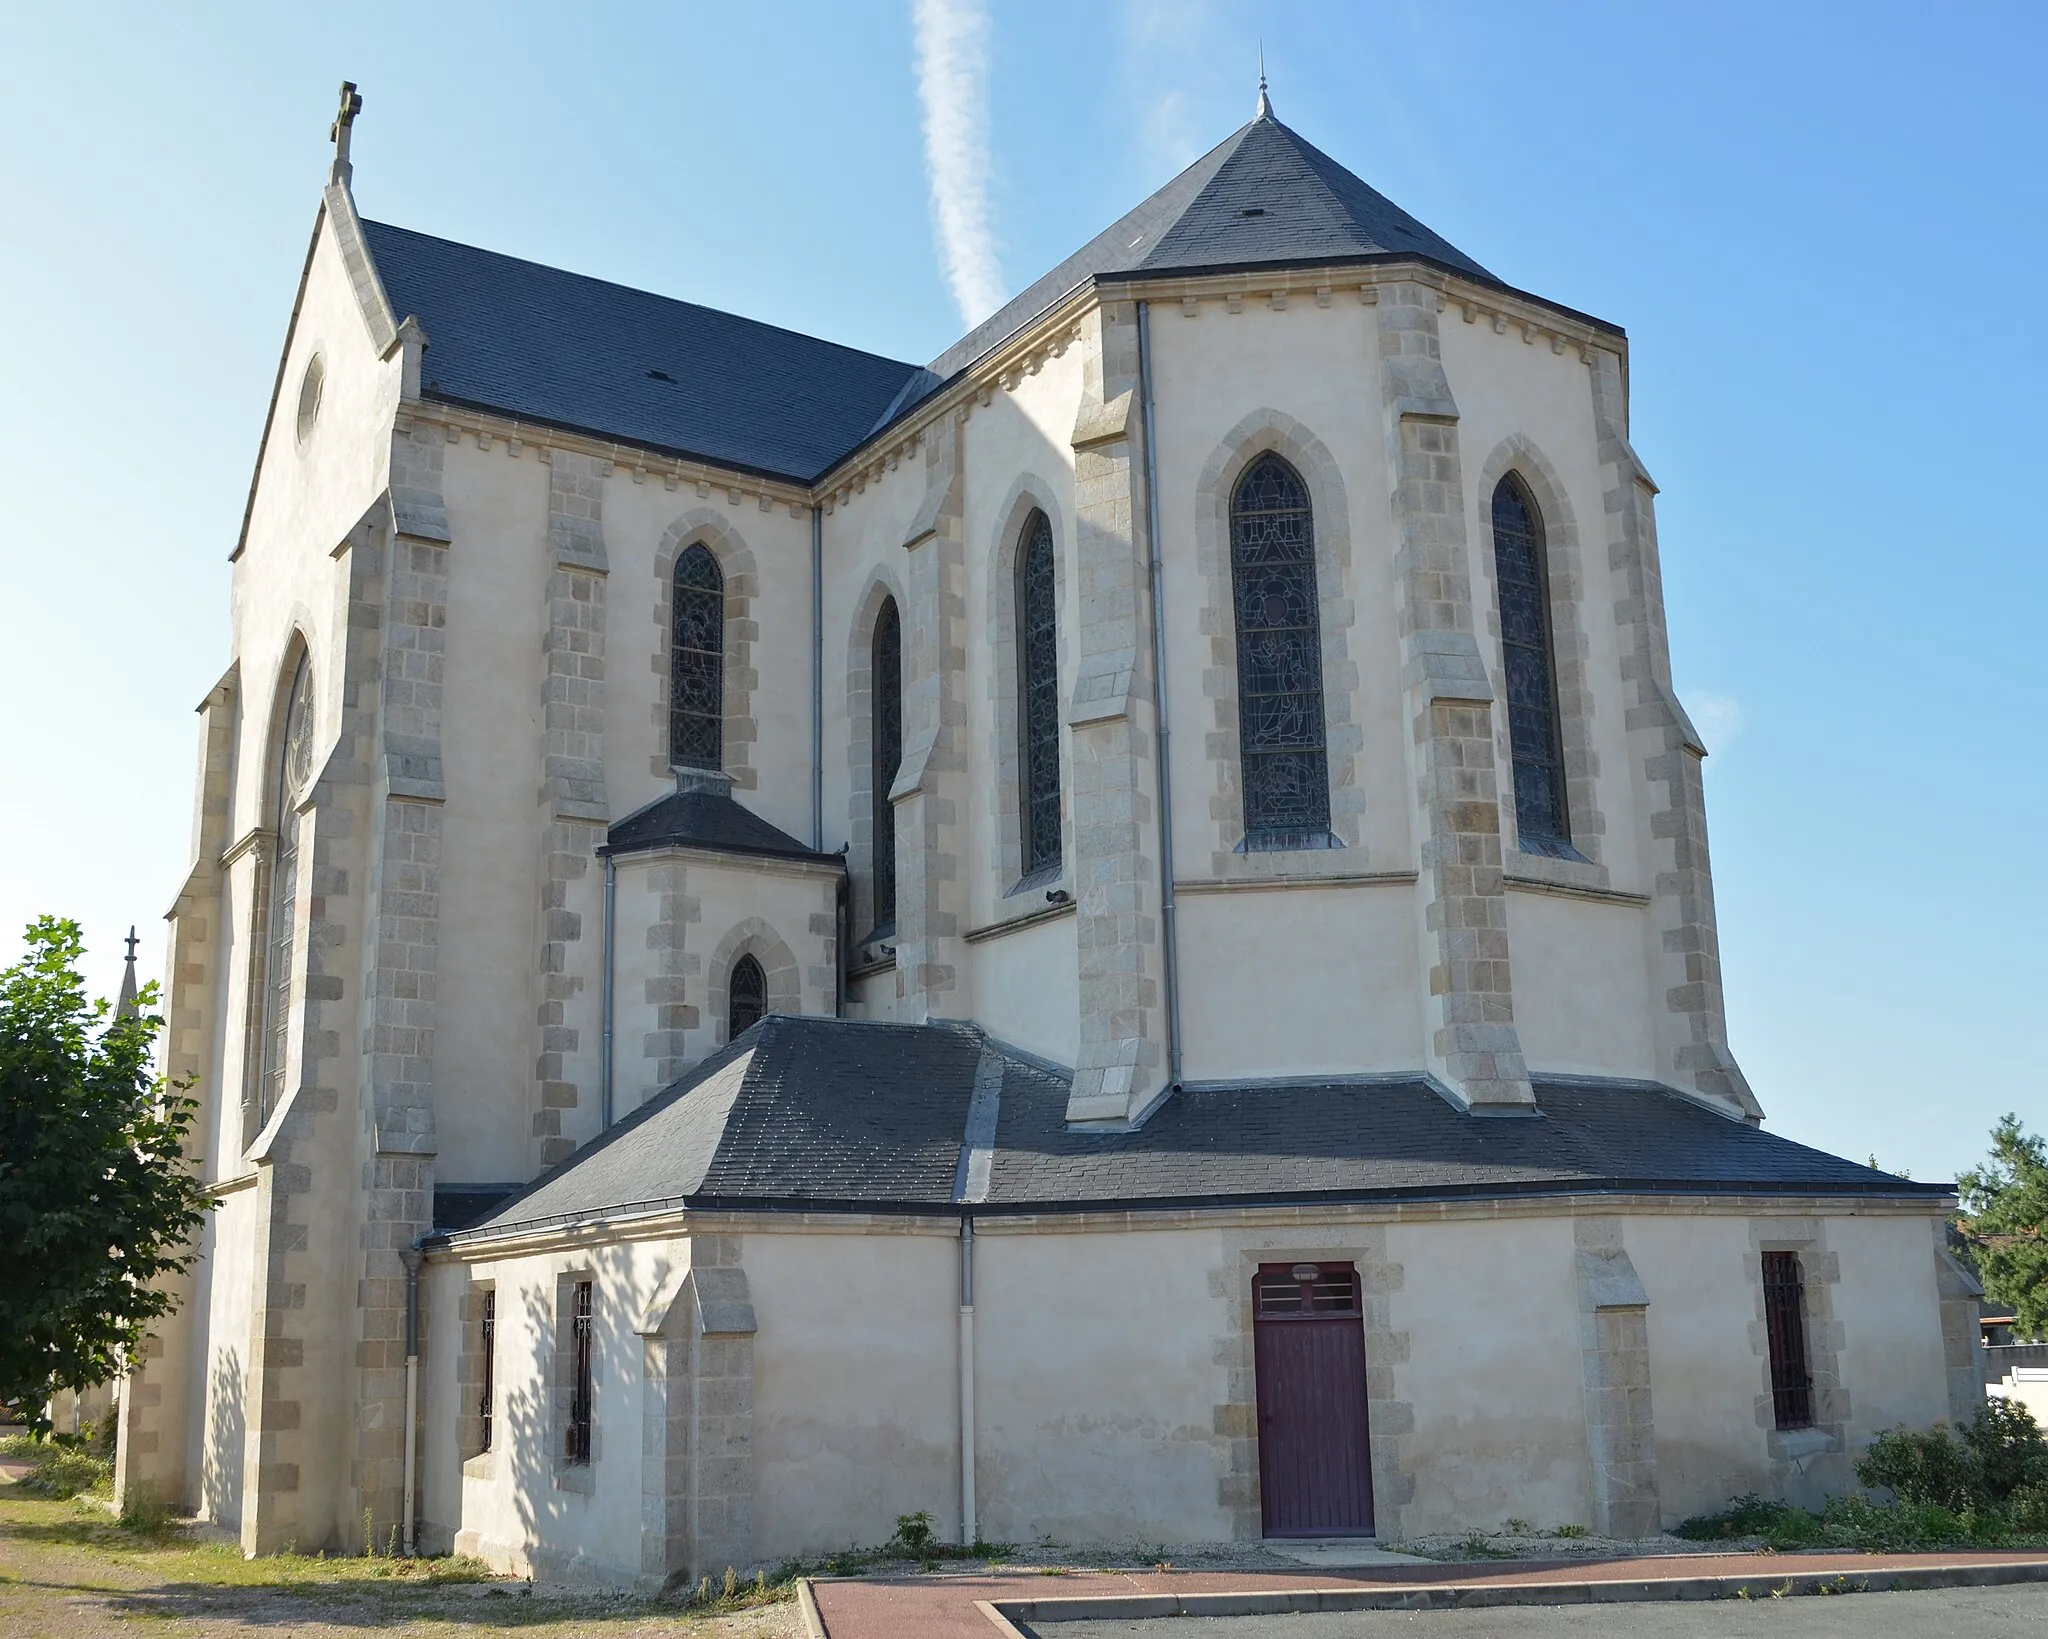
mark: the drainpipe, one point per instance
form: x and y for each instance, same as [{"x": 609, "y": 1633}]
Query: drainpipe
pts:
[
  {"x": 818, "y": 679},
  {"x": 970, "y": 1532},
  {"x": 1169, "y": 923},
  {"x": 411, "y": 1257},
  {"x": 604, "y": 1074}
]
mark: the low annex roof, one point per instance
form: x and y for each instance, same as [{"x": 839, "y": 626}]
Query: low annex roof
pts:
[
  {"x": 705, "y": 819},
  {"x": 844, "y": 1115},
  {"x": 566, "y": 350}
]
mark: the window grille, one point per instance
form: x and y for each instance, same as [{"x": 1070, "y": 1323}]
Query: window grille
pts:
[
  {"x": 1785, "y": 1329},
  {"x": 1279, "y": 660},
  {"x": 487, "y": 1344},
  {"x": 578, "y": 1446},
  {"x": 746, "y": 997},
  {"x": 294, "y": 767},
  {"x": 1306, "y": 1290},
  {"x": 1542, "y": 818},
  {"x": 1038, "y": 700},
  {"x": 886, "y": 712},
  {"x": 696, "y": 712}
]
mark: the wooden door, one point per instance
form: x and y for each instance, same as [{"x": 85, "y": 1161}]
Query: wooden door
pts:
[{"x": 1315, "y": 1464}]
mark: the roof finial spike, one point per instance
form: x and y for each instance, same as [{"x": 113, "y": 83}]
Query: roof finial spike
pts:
[
  {"x": 1265, "y": 102},
  {"x": 338, "y": 133},
  {"x": 126, "y": 1008}
]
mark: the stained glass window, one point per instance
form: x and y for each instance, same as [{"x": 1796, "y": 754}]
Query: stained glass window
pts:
[
  {"x": 746, "y": 997},
  {"x": 1038, "y": 699},
  {"x": 294, "y": 767},
  {"x": 1279, "y": 660},
  {"x": 886, "y": 673},
  {"x": 696, "y": 708},
  {"x": 1542, "y": 820}
]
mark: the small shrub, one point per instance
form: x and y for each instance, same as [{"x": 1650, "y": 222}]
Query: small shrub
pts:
[
  {"x": 914, "y": 1532},
  {"x": 1746, "y": 1516},
  {"x": 1518, "y": 1527},
  {"x": 2028, "y": 1508},
  {"x": 1921, "y": 1465},
  {"x": 1568, "y": 1531},
  {"x": 2009, "y": 1448},
  {"x": 143, "y": 1511},
  {"x": 64, "y": 1471}
]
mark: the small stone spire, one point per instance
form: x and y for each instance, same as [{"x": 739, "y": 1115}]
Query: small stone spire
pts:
[
  {"x": 1265, "y": 111},
  {"x": 125, "y": 1008},
  {"x": 337, "y": 133}
]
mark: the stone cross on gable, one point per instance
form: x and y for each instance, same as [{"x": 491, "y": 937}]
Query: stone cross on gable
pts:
[{"x": 338, "y": 133}]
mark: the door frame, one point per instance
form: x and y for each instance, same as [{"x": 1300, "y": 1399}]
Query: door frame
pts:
[{"x": 1320, "y": 1305}]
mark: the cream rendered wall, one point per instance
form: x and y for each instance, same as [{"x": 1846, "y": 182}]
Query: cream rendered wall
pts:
[
  {"x": 226, "y": 1295},
  {"x": 520, "y": 1516},
  {"x": 1490, "y": 1312},
  {"x": 485, "y": 1036},
  {"x": 1890, "y": 1315},
  {"x": 1025, "y": 990},
  {"x": 1097, "y": 1385},
  {"x": 637, "y": 517},
  {"x": 728, "y": 891},
  {"x": 856, "y": 1403},
  {"x": 1299, "y": 982},
  {"x": 1582, "y": 1000},
  {"x": 1019, "y": 454}
]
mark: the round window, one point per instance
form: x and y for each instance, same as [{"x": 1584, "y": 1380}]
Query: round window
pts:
[{"x": 309, "y": 394}]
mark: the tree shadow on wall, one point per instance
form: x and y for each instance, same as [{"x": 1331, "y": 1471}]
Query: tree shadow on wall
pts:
[{"x": 220, "y": 1484}]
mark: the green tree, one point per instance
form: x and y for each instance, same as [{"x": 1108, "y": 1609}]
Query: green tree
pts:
[
  {"x": 97, "y": 1202},
  {"x": 2005, "y": 1219}
]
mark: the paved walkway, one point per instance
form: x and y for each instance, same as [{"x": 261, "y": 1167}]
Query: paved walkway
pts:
[{"x": 943, "y": 1605}]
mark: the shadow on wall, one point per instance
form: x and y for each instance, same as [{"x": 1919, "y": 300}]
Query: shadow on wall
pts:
[{"x": 220, "y": 1492}]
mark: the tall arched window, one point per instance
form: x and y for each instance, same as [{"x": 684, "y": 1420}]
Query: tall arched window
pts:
[
  {"x": 886, "y": 673},
  {"x": 1279, "y": 660},
  {"x": 1038, "y": 701},
  {"x": 1542, "y": 818},
  {"x": 288, "y": 784},
  {"x": 746, "y": 997},
  {"x": 696, "y": 687}
]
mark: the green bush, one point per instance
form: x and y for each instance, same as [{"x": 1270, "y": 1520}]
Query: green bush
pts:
[
  {"x": 63, "y": 1470},
  {"x": 2011, "y": 1452},
  {"x": 2028, "y": 1509},
  {"x": 2001, "y": 1452}
]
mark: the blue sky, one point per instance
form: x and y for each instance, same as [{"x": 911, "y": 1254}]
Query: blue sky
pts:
[{"x": 1823, "y": 227}]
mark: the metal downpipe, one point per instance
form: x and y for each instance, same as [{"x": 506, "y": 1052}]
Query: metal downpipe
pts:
[
  {"x": 970, "y": 1530},
  {"x": 605, "y": 982},
  {"x": 1169, "y": 922}
]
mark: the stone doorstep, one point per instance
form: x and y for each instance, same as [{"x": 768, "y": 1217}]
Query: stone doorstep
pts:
[{"x": 1004, "y": 1614}]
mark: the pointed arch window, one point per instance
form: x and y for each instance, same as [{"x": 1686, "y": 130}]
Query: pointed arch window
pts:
[
  {"x": 886, "y": 675},
  {"x": 696, "y": 704},
  {"x": 746, "y": 997},
  {"x": 1522, "y": 582},
  {"x": 1038, "y": 702},
  {"x": 293, "y": 769},
  {"x": 1279, "y": 661}
]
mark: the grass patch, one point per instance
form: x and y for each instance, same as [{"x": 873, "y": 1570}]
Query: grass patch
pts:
[
  {"x": 1863, "y": 1524},
  {"x": 59, "y": 1468}
]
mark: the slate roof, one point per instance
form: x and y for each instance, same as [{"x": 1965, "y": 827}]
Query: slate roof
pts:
[
  {"x": 1263, "y": 197},
  {"x": 570, "y": 351},
  {"x": 705, "y": 819},
  {"x": 829, "y": 1114},
  {"x": 583, "y": 354}
]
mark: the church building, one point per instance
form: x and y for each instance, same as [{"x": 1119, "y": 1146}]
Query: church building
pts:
[{"x": 1109, "y": 937}]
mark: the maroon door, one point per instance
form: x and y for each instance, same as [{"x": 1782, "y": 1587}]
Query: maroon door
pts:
[{"x": 1315, "y": 1466}]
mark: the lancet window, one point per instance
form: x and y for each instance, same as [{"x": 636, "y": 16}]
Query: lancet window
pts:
[
  {"x": 886, "y": 674},
  {"x": 1279, "y": 660},
  {"x": 1038, "y": 701},
  {"x": 293, "y": 769},
  {"x": 1542, "y": 817},
  {"x": 746, "y": 997},
  {"x": 696, "y": 708}
]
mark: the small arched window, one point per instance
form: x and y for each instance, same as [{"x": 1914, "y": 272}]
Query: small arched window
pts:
[
  {"x": 886, "y": 674},
  {"x": 1521, "y": 578},
  {"x": 746, "y": 997},
  {"x": 293, "y": 768},
  {"x": 1279, "y": 660},
  {"x": 1038, "y": 701},
  {"x": 696, "y": 699}
]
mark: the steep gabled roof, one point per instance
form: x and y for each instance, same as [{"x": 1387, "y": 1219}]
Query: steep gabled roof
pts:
[
  {"x": 587, "y": 355},
  {"x": 1263, "y": 197},
  {"x": 838, "y": 1114}
]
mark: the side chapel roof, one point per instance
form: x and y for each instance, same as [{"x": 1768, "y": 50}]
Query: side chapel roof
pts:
[
  {"x": 570, "y": 351},
  {"x": 836, "y": 1114}
]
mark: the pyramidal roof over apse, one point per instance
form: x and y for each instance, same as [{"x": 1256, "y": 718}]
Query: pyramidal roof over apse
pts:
[{"x": 583, "y": 354}]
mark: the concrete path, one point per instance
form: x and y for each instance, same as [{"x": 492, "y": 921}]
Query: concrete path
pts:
[
  {"x": 954, "y": 1606},
  {"x": 1954, "y": 1613}
]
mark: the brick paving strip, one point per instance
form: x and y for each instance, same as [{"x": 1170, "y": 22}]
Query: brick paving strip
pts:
[{"x": 989, "y": 1607}]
